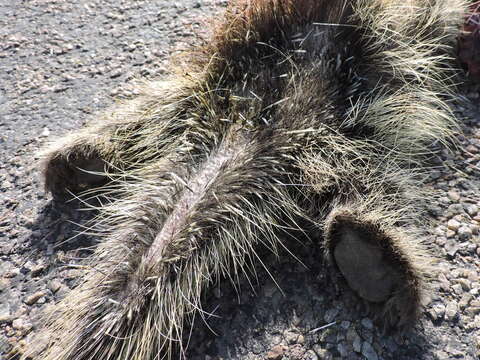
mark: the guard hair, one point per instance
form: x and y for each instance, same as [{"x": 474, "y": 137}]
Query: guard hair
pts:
[{"x": 296, "y": 112}]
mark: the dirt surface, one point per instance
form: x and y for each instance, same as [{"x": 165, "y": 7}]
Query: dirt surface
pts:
[{"x": 63, "y": 61}]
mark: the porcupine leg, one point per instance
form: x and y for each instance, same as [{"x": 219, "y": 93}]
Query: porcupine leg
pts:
[
  {"x": 369, "y": 227},
  {"x": 82, "y": 160},
  {"x": 134, "y": 133},
  {"x": 381, "y": 263}
]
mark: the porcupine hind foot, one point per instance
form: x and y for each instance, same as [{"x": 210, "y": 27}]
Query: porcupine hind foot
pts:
[{"x": 379, "y": 264}]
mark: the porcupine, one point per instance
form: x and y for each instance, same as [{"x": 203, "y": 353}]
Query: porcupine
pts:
[{"x": 296, "y": 112}]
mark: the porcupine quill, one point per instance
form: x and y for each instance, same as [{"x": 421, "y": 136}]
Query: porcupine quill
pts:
[{"x": 338, "y": 99}]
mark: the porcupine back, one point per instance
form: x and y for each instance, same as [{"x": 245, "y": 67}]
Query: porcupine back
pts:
[{"x": 206, "y": 163}]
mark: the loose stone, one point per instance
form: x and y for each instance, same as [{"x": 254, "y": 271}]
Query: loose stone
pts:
[
  {"x": 464, "y": 233},
  {"x": 454, "y": 196},
  {"x": 32, "y": 299},
  {"x": 368, "y": 351},
  {"x": 453, "y": 224}
]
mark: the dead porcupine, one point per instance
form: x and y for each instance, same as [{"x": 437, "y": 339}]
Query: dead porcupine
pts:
[{"x": 305, "y": 111}]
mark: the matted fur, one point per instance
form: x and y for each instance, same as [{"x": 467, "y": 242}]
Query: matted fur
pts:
[{"x": 296, "y": 111}]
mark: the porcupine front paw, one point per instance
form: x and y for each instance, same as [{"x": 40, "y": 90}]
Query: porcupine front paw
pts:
[
  {"x": 378, "y": 266},
  {"x": 72, "y": 169}
]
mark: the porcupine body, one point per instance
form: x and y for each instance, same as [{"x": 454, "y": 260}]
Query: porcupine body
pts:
[{"x": 297, "y": 112}]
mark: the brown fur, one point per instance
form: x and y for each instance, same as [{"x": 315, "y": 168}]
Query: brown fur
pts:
[{"x": 317, "y": 112}]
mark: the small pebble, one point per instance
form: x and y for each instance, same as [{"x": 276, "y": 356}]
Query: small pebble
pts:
[
  {"x": 357, "y": 344},
  {"x": 276, "y": 353},
  {"x": 457, "y": 289},
  {"x": 464, "y": 283},
  {"x": 11, "y": 273},
  {"x": 454, "y": 196},
  {"x": 38, "y": 269},
  {"x": 18, "y": 324},
  {"x": 330, "y": 315},
  {"x": 464, "y": 233},
  {"x": 345, "y": 324},
  {"x": 472, "y": 148},
  {"x": 450, "y": 233},
  {"x": 453, "y": 224},
  {"x": 45, "y": 132},
  {"x": 368, "y": 351},
  {"x": 5, "y": 318},
  {"x": 438, "y": 311},
  {"x": 322, "y": 353},
  {"x": 367, "y": 323},
  {"x": 451, "y": 311},
  {"x": 32, "y": 299},
  {"x": 444, "y": 283},
  {"x": 4, "y": 284},
  {"x": 54, "y": 285},
  {"x": 441, "y": 240},
  {"x": 465, "y": 300},
  {"x": 342, "y": 349},
  {"x": 451, "y": 247},
  {"x": 291, "y": 337},
  {"x": 475, "y": 230},
  {"x": 472, "y": 210}
]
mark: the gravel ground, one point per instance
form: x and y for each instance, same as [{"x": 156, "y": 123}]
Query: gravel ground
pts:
[{"x": 62, "y": 61}]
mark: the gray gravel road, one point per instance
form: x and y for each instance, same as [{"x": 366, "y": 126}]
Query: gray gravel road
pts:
[{"x": 63, "y": 61}]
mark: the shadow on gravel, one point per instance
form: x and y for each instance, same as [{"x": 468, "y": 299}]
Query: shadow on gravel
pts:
[
  {"x": 61, "y": 228},
  {"x": 55, "y": 248},
  {"x": 41, "y": 267},
  {"x": 296, "y": 312}
]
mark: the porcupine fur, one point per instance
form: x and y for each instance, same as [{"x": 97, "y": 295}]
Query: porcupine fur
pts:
[{"x": 306, "y": 111}]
